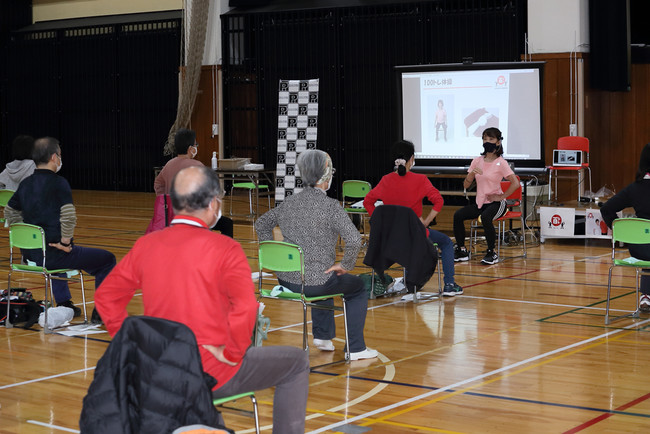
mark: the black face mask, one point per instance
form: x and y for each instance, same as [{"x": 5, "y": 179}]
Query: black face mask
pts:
[{"x": 489, "y": 147}]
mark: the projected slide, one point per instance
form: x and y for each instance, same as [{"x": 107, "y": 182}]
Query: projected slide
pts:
[{"x": 445, "y": 112}]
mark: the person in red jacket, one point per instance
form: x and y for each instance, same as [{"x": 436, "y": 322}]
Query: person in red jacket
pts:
[
  {"x": 405, "y": 188},
  {"x": 202, "y": 279}
]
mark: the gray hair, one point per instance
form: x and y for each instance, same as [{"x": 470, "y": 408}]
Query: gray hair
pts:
[
  {"x": 207, "y": 189},
  {"x": 312, "y": 164}
]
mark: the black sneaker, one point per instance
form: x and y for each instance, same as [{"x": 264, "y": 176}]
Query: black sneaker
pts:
[
  {"x": 70, "y": 304},
  {"x": 95, "y": 318},
  {"x": 461, "y": 254},
  {"x": 490, "y": 258},
  {"x": 452, "y": 289}
]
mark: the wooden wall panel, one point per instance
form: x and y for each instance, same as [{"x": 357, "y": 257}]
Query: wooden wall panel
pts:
[
  {"x": 203, "y": 114},
  {"x": 616, "y": 123},
  {"x": 618, "y": 126}
]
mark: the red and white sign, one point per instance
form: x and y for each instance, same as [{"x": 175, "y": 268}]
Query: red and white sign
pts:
[{"x": 557, "y": 222}]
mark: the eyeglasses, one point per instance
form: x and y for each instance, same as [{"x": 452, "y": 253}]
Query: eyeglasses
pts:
[
  {"x": 333, "y": 170},
  {"x": 196, "y": 145}
]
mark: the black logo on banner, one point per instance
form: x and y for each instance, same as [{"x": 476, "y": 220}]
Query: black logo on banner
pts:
[
  {"x": 282, "y": 134},
  {"x": 284, "y": 86},
  {"x": 279, "y": 182},
  {"x": 281, "y": 158},
  {"x": 282, "y": 110},
  {"x": 312, "y": 122},
  {"x": 291, "y": 170},
  {"x": 291, "y": 146},
  {"x": 311, "y": 145},
  {"x": 288, "y": 192},
  {"x": 302, "y": 110},
  {"x": 304, "y": 85},
  {"x": 302, "y": 134},
  {"x": 293, "y": 122},
  {"x": 313, "y": 97},
  {"x": 293, "y": 98},
  {"x": 298, "y": 182}
]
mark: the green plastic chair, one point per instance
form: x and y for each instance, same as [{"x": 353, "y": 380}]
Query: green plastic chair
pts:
[
  {"x": 5, "y": 195},
  {"x": 631, "y": 231},
  {"x": 354, "y": 191},
  {"x": 220, "y": 401},
  {"x": 285, "y": 257},
  {"x": 250, "y": 186},
  {"x": 26, "y": 236}
]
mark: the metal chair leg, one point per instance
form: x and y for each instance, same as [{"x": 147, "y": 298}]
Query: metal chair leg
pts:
[
  {"x": 48, "y": 286},
  {"x": 609, "y": 291},
  {"x": 83, "y": 296},
  {"x": 256, "y": 414},
  {"x": 305, "y": 341},
  {"x": 8, "y": 323},
  {"x": 345, "y": 326}
]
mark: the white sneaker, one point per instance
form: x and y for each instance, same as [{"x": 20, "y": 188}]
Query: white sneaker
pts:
[
  {"x": 365, "y": 354},
  {"x": 323, "y": 344},
  {"x": 644, "y": 303}
]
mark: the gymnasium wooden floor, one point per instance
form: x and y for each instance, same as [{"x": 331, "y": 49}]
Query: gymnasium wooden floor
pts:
[{"x": 524, "y": 350}]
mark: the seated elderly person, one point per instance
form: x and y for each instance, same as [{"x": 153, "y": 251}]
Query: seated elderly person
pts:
[{"x": 314, "y": 221}]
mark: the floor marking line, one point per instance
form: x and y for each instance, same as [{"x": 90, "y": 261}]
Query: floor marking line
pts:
[
  {"x": 607, "y": 415},
  {"x": 471, "y": 380},
  {"x": 49, "y": 425},
  {"x": 22, "y": 383},
  {"x": 486, "y": 382},
  {"x": 499, "y": 378}
]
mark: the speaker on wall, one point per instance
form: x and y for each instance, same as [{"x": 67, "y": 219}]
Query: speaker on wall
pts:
[{"x": 609, "y": 44}]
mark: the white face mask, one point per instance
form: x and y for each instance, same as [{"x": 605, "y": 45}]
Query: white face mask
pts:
[
  {"x": 60, "y": 165},
  {"x": 193, "y": 154},
  {"x": 217, "y": 216}
]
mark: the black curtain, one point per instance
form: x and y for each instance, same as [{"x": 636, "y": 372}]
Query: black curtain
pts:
[
  {"x": 107, "y": 91},
  {"x": 352, "y": 50}
]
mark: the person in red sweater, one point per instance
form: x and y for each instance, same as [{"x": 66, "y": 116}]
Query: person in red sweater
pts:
[
  {"x": 405, "y": 188},
  {"x": 202, "y": 279}
]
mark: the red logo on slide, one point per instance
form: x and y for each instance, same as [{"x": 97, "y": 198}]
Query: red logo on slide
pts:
[
  {"x": 501, "y": 80},
  {"x": 556, "y": 220}
]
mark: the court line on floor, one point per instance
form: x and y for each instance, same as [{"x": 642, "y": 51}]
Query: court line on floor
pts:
[
  {"x": 608, "y": 414},
  {"x": 472, "y": 379},
  {"x": 49, "y": 377},
  {"x": 487, "y": 395},
  {"x": 49, "y": 425},
  {"x": 460, "y": 297}
]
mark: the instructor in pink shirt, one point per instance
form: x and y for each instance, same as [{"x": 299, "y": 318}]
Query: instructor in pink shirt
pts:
[{"x": 487, "y": 170}]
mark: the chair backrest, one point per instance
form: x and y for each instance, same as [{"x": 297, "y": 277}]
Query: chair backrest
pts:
[
  {"x": 26, "y": 236},
  {"x": 5, "y": 195},
  {"x": 355, "y": 189},
  {"x": 631, "y": 231},
  {"x": 517, "y": 194},
  {"x": 573, "y": 143},
  {"x": 280, "y": 256}
]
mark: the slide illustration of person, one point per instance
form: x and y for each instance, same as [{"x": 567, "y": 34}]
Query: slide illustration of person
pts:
[{"x": 441, "y": 119}]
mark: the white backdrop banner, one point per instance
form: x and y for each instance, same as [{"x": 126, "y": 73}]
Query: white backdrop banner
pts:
[{"x": 297, "y": 131}]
